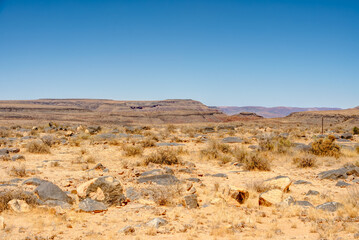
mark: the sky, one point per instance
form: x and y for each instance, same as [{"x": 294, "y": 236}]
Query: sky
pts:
[{"x": 302, "y": 53}]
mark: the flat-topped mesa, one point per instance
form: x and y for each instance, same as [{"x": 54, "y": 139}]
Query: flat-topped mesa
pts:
[
  {"x": 347, "y": 116},
  {"x": 110, "y": 111}
]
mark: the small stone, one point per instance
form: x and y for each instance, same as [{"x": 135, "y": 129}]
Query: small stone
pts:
[
  {"x": 329, "y": 206},
  {"x": 17, "y": 157},
  {"x": 312, "y": 192},
  {"x": 156, "y": 222},
  {"x": 19, "y": 206},
  {"x": 303, "y": 204},
  {"x": 342, "y": 184},
  {"x": 127, "y": 230},
  {"x": 191, "y": 201}
]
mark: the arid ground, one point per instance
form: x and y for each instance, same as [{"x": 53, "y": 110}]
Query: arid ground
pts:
[{"x": 239, "y": 180}]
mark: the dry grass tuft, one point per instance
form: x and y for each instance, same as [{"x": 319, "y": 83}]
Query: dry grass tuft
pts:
[
  {"x": 163, "y": 156},
  {"x": 19, "y": 171},
  {"x": 306, "y": 161},
  {"x": 37, "y": 147},
  {"x": 256, "y": 162},
  {"x": 132, "y": 150},
  {"x": 326, "y": 147}
]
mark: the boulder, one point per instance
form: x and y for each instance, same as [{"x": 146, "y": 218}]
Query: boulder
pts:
[
  {"x": 89, "y": 205},
  {"x": 271, "y": 197},
  {"x": 280, "y": 182},
  {"x": 340, "y": 173},
  {"x": 342, "y": 184},
  {"x": 105, "y": 189},
  {"x": 17, "y": 157},
  {"x": 19, "y": 206},
  {"x": 329, "y": 206},
  {"x": 164, "y": 179},
  {"x": 49, "y": 191}
]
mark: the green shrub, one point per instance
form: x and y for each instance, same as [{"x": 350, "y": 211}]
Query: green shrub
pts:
[
  {"x": 326, "y": 147},
  {"x": 356, "y": 131}
]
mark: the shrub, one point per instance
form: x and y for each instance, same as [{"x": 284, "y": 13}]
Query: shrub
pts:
[
  {"x": 215, "y": 150},
  {"x": 256, "y": 162},
  {"x": 356, "y": 131},
  {"x": 164, "y": 195},
  {"x": 19, "y": 171},
  {"x": 258, "y": 186},
  {"x": 37, "y": 147},
  {"x": 4, "y": 133},
  {"x": 148, "y": 142},
  {"x": 240, "y": 154},
  {"x": 8, "y": 195},
  {"x": 132, "y": 150},
  {"x": 305, "y": 161},
  {"x": 326, "y": 147},
  {"x": 357, "y": 149},
  {"x": 276, "y": 144},
  {"x": 163, "y": 156}
]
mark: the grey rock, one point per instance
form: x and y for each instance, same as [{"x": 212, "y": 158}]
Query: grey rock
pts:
[
  {"x": 191, "y": 201},
  {"x": 54, "y": 203},
  {"x": 303, "y": 204},
  {"x": 221, "y": 175},
  {"x": 342, "y": 140},
  {"x": 341, "y": 173},
  {"x": 127, "y": 230},
  {"x": 164, "y": 179},
  {"x": 347, "y": 136},
  {"x": 17, "y": 157},
  {"x": 329, "y": 206},
  {"x": 156, "y": 222},
  {"x": 193, "y": 179},
  {"x": 232, "y": 140},
  {"x": 132, "y": 194},
  {"x": 49, "y": 191},
  {"x": 169, "y": 144},
  {"x": 33, "y": 181},
  {"x": 89, "y": 205},
  {"x": 342, "y": 184},
  {"x": 253, "y": 147},
  {"x": 312, "y": 192}
]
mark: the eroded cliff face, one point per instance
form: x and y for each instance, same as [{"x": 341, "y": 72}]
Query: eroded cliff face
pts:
[{"x": 109, "y": 111}]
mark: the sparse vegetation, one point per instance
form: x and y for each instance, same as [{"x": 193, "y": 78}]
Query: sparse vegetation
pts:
[
  {"x": 38, "y": 147},
  {"x": 132, "y": 150},
  {"x": 356, "y": 131},
  {"x": 326, "y": 147},
  {"x": 165, "y": 156},
  {"x": 276, "y": 144},
  {"x": 18, "y": 171},
  {"x": 305, "y": 161},
  {"x": 256, "y": 162}
]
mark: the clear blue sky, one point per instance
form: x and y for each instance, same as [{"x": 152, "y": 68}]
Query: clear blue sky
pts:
[{"x": 301, "y": 53}]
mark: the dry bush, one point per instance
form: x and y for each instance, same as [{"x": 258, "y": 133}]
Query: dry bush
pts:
[
  {"x": 258, "y": 186},
  {"x": 356, "y": 131},
  {"x": 37, "y": 147},
  {"x": 171, "y": 128},
  {"x": 326, "y": 147},
  {"x": 132, "y": 150},
  {"x": 163, "y": 156},
  {"x": 4, "y": 133},
  {"x": 19, "y": 171},
  {"x": 48, "y": 140},
  {"x": 164, "y": 195},
  {"x": 357, "y": 149},
  {"x": 225, "y": 158},
  {"x": 305, "y": 161},
  {"x": 90, "y": 159},
  {"x": 276, "y": 144},
  {"x": 215, "y": 150},
  {"x": 240, "y": 154},
  {"x": 8, "y": 195},
  {"x": 256, "y": 162},
  {"x": 148, "y": 142}
]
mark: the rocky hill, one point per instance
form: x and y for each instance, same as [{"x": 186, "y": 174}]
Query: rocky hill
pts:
[
  {"x": 273, "y": 112},
  {"x": 108, "y": 111}
]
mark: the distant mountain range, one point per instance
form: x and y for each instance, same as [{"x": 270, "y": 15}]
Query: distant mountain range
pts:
[{"x": 272, "y": 112}]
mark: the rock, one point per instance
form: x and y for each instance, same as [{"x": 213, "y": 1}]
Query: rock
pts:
[
  {"x": 312, "y": 192},
  {"x": 286, "y": 202},
  {"x": 4, "y": 151},
  {"x": 194, "y": 179},
  {"x": 169, "y": 144},
  {"x": 132, "y": 194},
  {"x": 157, "y": 172},
  {"x": 89, "y": 205},
  {"x": 232, "y": 140},
  {"x": 280, "y": 182},
  {"x": 347, "y": 136},
  {"x": 13, "y": 150},
  {"x": 4, "y": 157},
  {"x": 271, "y": 197},
  {"x": 99, "y": 166},
  {"x": 105, "y": 189},
  {"x": 341, "y": 140},
  {"x": 57, "y": 203},
  {"x": 342, "y": 184},
  {"x": 2, "y": 223},
  {"x": 164, "y": 179},
  {"x": 19, "y": 206},
  {"x": 49, "y": 191},
  {"x": 239, "y": 194},
  {"x": 17, "y": 157},
  {"x": 191, "y": 201},
  {"x": 253, "y": 147},
  {"x": 221, "y": 175},
  {"x": 193, "y": 190},
  {"x": 303, "y": 204},
  {"x": 127, "y": 230},
  {"x": 301, "y": 182},
  {"x": 329, "y": 206},
  {"x": 33, "y": 181},
  {"x": 284, "y": 135},
  {"x": 156, "y": 222},
  {"x": 341, "y": 173}
]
